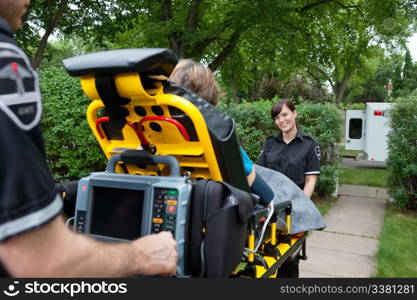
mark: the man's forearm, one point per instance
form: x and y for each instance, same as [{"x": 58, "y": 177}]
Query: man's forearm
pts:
[
  {"x": 55, "y": 251},
  {"x": 90, "y": 258}
]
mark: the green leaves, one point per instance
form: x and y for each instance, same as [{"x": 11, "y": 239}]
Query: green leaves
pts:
[
  {"x": 402, "y": 157},
  {"x": 246, "y": 42},
  {"x": 71, "y": 148}
]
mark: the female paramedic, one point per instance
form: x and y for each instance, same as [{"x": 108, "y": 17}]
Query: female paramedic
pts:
[
  {"x": 293, "y": 153},
  {"x": 199, "y": 79}
]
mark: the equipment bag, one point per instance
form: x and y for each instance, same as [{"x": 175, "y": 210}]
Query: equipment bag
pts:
[{"x": 218, "y": 225}]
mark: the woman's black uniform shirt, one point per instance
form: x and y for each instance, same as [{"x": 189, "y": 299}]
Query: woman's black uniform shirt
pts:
[{"x": 297, "y": 159}]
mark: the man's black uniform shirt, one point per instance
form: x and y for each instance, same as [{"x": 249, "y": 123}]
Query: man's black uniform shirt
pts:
[
  {"x": 28, "y": 197},
  {"x": 296, "y": 159}
]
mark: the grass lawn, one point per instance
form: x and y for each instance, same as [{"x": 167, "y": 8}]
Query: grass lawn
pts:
[
  {"x": 363, "y": 176},
  {"x": 343, "y": 151},
  {"x": 397, "y": 255}
]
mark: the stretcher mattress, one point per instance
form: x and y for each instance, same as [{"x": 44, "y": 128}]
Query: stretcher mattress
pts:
[{"x": 305, "y": 215}]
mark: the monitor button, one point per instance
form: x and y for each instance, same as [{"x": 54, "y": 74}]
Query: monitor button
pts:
[
  {"x": 157, "y": 220},
  {"x": 171, "y": 209},
  {"x": 171, "y": 202}
]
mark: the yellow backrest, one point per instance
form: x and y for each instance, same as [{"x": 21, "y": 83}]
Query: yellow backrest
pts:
[
  {"x": 134, "y": 107},
  {"x": 197, "y": 155}
]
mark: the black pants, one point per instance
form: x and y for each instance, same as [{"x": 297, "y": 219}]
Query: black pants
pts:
[{"x": 290, "y": 268}]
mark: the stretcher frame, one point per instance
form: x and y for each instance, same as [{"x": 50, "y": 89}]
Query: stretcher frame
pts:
[{"x": 196, "y": 157}]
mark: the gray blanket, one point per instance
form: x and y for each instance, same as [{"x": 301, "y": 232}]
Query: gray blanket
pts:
[{"x": 305, "y": 215}]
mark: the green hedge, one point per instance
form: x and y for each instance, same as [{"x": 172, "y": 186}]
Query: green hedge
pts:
[
  {"x": 402, "y": 156},
  {"x": 349, "y": 105},
  {"x": 71, "y": 148},
  {"x": 322, "y": 121}
]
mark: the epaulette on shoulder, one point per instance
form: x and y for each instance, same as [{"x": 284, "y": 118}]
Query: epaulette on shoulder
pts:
[
  {"x": 309, "y": 137},
  {"x": 268, "y": 139}
]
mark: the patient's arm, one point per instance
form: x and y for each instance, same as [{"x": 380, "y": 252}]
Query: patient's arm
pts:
[
  {"x": 257, "y": 185},
  {"x": 261, "y": 188},
  {"x": 251, "y": 177}
]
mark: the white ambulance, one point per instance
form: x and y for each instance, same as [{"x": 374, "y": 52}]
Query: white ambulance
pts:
[{"x": 367, "y": 130}]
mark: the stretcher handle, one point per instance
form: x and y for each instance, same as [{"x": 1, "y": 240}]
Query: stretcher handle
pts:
[
  {"x": 285, "y": 204},
  {"x": 261, "y": 212},
  {"x": 140, "y": 157}
]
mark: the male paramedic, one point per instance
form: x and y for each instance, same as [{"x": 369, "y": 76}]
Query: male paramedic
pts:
[{"x": 34, "y": 241}]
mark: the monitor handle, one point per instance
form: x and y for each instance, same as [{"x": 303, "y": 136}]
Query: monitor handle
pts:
[{"x": 141, "y": 157}]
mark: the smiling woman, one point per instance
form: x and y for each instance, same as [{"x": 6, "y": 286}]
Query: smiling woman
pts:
[
  {"x": 294, "y": 154},
  {"x": 284, "y": 115},
  {"x": 291, "y": 152}
]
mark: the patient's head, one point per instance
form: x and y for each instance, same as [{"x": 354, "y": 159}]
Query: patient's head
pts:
[{"x": 196, "y": 78}]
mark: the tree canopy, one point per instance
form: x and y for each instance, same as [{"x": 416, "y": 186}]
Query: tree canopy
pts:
[{"x": 253, "y": 46}]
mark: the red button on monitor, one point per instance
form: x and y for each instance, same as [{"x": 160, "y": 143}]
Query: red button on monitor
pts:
[{"x": 171, "y": 209}]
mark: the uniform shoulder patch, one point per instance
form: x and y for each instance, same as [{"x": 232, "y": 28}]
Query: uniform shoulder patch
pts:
[
  {"x": 20, "y": 97},
  {"x": 317, "y": 151}
]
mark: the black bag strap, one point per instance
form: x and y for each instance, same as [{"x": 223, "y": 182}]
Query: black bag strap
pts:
[
  {"x": 208, "y": 197},
  {"x": 202, "y": 268},
  {"x": 107, "y": 91},
  {"x": 244, "y": 202},
  {"x": 196, "y": 235}
]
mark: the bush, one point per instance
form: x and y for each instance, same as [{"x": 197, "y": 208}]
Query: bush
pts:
[
  {"x": 350, "y": 105},
  {"x": 322, "y": 121},
  {"x": 402, "y": 156},
  {"x": 71, "y": 148},
  {"x": 328, "y": 179},
  {"x": 253, "y": 122}
]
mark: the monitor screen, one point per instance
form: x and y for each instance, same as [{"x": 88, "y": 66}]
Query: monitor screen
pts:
[{"x": 117, "y": 212}]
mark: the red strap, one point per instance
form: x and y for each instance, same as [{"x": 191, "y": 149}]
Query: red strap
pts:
[
  {"x": 138, "y": 127},
  {"x": 98, "y": 127},
  {"x": 180, "y": 127}
]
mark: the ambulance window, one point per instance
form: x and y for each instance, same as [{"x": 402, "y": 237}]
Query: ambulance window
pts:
[{"x": 355, "y": 128}]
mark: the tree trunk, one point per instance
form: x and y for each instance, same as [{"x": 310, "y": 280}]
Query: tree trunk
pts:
[
  {"x": 166, "y": 15},
  {"x": 235, "y": 95},
  {"x": 340, "y": 89},
  {"x": 50, "y": 28},
  {"x": 226, "y": 51},
  {"x": 192, "y": 21}
]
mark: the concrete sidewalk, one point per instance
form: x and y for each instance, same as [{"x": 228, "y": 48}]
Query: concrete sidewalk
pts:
[{"x": 346, "y": 247}]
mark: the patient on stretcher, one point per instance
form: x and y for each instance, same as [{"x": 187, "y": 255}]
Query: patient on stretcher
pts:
[{"x": 199, "y": 79}]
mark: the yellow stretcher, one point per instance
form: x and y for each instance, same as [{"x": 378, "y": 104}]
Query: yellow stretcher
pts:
[{"x": 134, "y": 107}]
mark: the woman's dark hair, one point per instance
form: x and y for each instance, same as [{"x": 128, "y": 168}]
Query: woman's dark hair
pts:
[{"x": 277, "y": 107}]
